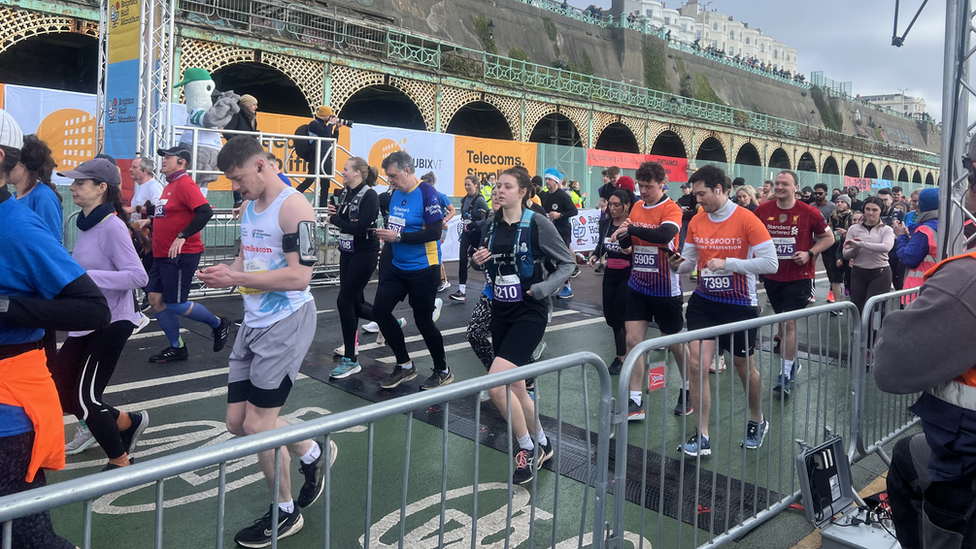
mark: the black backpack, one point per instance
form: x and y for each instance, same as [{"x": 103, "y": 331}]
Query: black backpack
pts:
[{"x": 303, "y": 149}]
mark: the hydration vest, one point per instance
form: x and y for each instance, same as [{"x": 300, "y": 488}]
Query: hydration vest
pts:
[
  {"x": 356, "y": 200},
  {"x": 960, "y": 391},
  {"x": 521, "y": 256}
]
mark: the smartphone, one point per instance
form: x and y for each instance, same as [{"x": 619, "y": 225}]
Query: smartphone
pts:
[{"x": 670, "y": 252}]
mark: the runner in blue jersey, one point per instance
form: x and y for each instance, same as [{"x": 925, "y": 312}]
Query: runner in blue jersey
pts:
[{"x": 413, "y": 228}]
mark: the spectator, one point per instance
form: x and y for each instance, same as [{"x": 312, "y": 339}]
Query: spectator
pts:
[
  {"x": 244, "y": 120},
  {"x": 626, "y": 183},
  {"x": 31, "y": 178},
  {"x": 807, "y": 194},
  {"x": 489, "y": 184},
  {"x": 574, "y": 192},
  {"x": 930, "y": 481},
  {"x": 897, "y": 195},
  {"x": 689, "y": 207},
  {"x": 838, "y": 269},
  {"x": 745, "y": 196},
  {"x": 42, "y": 288},
  {"x": 916, "y": 244},
  {"x": 324, "y": 124},
  {"x": 912, "y": 207},
  {"x": 856, "y": 205},
  {"x": 834, "y": 194},
  {"x": 768, "y": 190},
  {"x": 147, "y": 189},
  {"x": 820, "y": 201},
  {"x": 610, "y": 176},
  {"x": 868, "y": 244},
  {"x": 738, "y": 182}
]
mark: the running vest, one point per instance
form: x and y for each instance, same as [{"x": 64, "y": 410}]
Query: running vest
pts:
[
  {"x": 522, "y": 256},
  {"x": 356, "y": 200},
  {"x": 960, "y": 391},
  {"x": 915, "y": 277},
  {"x": 261, "y": 244}
]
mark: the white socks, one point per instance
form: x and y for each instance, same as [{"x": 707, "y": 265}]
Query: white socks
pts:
[
  {"x": 525, "y": 442},
  {"x": 287, "y": 506},
  {"x": 636, "y": 397},
  {"x": 787, "y": 367},
  {"x": 312, "y": 454},
  {"x": 461, "y": 288},
  {"x": 407, "y": 366},
  {"x": 541, "y": 437}
]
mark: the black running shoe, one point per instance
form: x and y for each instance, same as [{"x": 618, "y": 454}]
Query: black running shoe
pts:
[
  {"x": 259, "y": 533},
  {"x": 524, "y": 468},
  {"x": 684, "y": 407},
  {"x": 437, "y": 379},
  {"x": 220, "y": 334},
  {"x": 111, "y": 466},
  {"x": 545, "y": 453},
  {"x": 635, "y": 412},
  {"x": 314, "y": 474},
  {"x": 576, "y": 272},
  {"x": 398, "y": 376},
  {"x": 170, "y": 354},
  {"x": 130, "y": 437},
  {"x": 616, "y": 366}
]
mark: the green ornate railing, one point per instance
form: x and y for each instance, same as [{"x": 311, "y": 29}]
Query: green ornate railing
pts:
[{"x": 319, "y": 27}]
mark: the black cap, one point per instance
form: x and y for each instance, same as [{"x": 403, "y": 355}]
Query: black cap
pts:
[{"x": 180, "y": 150}]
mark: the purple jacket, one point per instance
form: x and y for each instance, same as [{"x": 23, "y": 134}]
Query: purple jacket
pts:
[{"x": 107, "y": 253}]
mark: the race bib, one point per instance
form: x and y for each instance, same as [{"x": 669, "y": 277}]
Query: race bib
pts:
[
  {"x": 611, "y": 246},
  {"x": 161, "y": 208},
  {"x": 396, "y": 224},
  {"x": 716, "y": 281},
  {"x": 253, "y": 266},
  {"x": 508, "y": 288},
  {"x": 346, "y": 242},
  {"x": 645, "y": 259},
  {"x": 785, "y": 247}
]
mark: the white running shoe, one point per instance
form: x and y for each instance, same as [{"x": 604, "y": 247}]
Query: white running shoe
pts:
[
  {"x": 438, "y": 305},
  {"x": 445, "y": 284},
  {"x": 341, "y": 350},
  {"x": 143, "y": 322},
  {"x": 381, "y": 339},
  {"x": 372, "y": 327},
  {"x": 82, "y": 441},
  {"x": 537, "y": 353}
]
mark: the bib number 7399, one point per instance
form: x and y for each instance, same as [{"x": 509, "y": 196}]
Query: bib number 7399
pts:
[{"x": 716, "y": 281}]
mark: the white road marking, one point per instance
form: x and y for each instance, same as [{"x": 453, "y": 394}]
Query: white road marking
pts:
[{"x": 165, "y": 380}]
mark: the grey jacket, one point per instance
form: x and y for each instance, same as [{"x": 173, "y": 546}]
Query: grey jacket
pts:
[{"x": 555, "y": 249}]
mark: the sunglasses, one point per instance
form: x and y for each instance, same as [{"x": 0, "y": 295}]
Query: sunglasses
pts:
[{"x": 819, "y": 193}]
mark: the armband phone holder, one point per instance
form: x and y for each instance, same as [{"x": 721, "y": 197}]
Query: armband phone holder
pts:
[{"x": 301, "y": 241}]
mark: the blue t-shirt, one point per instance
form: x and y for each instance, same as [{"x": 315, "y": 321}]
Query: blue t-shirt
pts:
[
  {"x": 33, "y": 263},
  {"x": 44, "y": 202},
  {"x": 411, "y": 212}
]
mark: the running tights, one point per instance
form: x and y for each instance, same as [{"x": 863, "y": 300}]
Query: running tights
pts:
[
  {"x": 479, "y": 331},
  {"x": 33, "y": 530},
  {"x": 421, "y": 289},
  {"x": 355, "y": 271},
  {"x": 81, "y": 372},
  {"x": 615, "y": 292},
  {"x": 867, "y": 283},
  {"x": 469, "y": 242}
]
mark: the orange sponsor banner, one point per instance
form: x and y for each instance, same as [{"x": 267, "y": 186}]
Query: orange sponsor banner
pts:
[{"x": 476, "y": 156}]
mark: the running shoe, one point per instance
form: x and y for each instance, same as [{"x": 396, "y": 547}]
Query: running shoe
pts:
[
  {"x": 615, "y": 366},
  {"x": 530, "y": 384},
  {"x": 783, "y": 385},
  {"x": 795, "y": 370},
  {"x": 112, "y": 466},
  {"x": 830, "y": 296},
  {"x": 813, "y": 299},
  {"x": 755, "y": 434},
  {"x": 438, "y": 305},
  {"x": 170, "y": 354},
  {"x": 341, "y": 350},
  {"x": 683, "y": 407},
  {"x": 693, "y": 275},
  {"x": 567, "y": 293},
  {"x": 598, "y": 269},
  {"x": 458, "y": 296},
  {"x": 345, "y": 369},
  {"x": 539, "y": 349},
  {"x": 259, "y": 533},
  {"x": 380, "y": 338},
  {"x": 82, "y": 441},
  {"x": 314, "y": 474},
  {"x": 437, "y": 379},
  {"x": 718, "y": 365},
  {"x": 371, "y": 327},
  {"x": 141, "y": 325},
  {"x": 220, "y": 334},
  {"x": 398, "y": 376},
  {"x": 524, "y": 467},
  {"x": 697, "y": 445},
  {"x": 576, "y": 272},
  {"x": 130, "y": 436},
  {"x": 635, "y": 412},
  {"x": 836, "y": 313},
  {"x": 545, "y": 453},
  {"x": 445, "y": 284}
]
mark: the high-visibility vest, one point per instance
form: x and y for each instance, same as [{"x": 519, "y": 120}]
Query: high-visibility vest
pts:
[
  {"x": 486, "y": 194},
  {"x": 915, "y": 277},
  {"x": 960, "y": 391}
]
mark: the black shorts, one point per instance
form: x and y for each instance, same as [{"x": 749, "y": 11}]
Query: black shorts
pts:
[
  {"x": 173, "y": 277},
  {"x": 245, "y": 391},
  {"x": 705, "y": 313},
  {"x": 665, "y": 311},
  {"x": 789, "y": 296},
  {"x": 514, "y": 340}
]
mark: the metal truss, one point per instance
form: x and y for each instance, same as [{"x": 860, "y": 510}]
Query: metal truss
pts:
[
  {"x": 156, "y": 70},
  {"x": 100, "y": 92}
]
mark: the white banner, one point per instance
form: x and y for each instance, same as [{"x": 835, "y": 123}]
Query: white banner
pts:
[
  {"x": 431, "y": 152},
  {"x": 586, "y": 230}
]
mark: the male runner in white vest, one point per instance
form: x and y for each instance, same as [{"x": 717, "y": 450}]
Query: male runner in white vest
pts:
[{"x": 272, "y": 271}]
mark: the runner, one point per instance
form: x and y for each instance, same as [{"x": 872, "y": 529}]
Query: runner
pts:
[
  {"x": 654, "y": 290},
  {"x": 448, "y": 211},
  {"x": 474, "y": 213},
  {"x": 729, "y": 246},
  {"x": 519, "y": 242},
  {"x": 42, "y": 288},
  {"x": 273, "y": 271},
  {"x": 793, "y": 226},
  {"x": 560, "y": 209},
  {"x": 85, "y": 364},
  {"x": 617, "y": 271},
  {"x": 355, "y": 216},
  {"x": 413, "y": 229},
  {"x": 31, "y": 179},
  {"x": 181, "y": 213}
]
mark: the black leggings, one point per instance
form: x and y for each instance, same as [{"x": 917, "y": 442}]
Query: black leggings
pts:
[
  {"x": 355, "y": 271},
  {"x": 615, "y": 291},
  {"x": 32, "y": 531},
  {"x": 867, "y": 283},
  {"x": 469, "y": 241},
  {"x": 81, "y": 372},
  {"x": 421, "y": 287}
]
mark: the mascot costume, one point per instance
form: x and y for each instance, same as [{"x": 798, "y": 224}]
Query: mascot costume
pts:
[{"x": 203, "y": 112}]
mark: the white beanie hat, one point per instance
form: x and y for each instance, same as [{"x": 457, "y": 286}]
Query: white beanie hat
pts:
[{"x": 10, "y": 133}]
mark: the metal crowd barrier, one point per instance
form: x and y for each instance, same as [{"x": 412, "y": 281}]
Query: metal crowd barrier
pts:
[
  {"x": 881, "y": 417},
  {"x": 710, "y": 500},
  {"x": 517, "y": 521}
]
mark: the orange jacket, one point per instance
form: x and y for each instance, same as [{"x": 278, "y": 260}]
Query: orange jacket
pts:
[{"x": 26, "y": 382}]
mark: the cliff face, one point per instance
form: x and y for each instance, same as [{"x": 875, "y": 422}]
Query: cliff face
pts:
[{"x": 550, "y": 39}]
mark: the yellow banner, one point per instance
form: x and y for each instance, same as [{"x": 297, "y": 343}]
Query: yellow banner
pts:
[
  {"x": 473, "y": 155},
  {"x": 125, "y": 17}
]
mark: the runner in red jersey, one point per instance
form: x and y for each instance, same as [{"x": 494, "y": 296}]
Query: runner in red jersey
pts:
[
  {"x": 729, "y": 246},
  {"x": 793, "y": 226}
]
